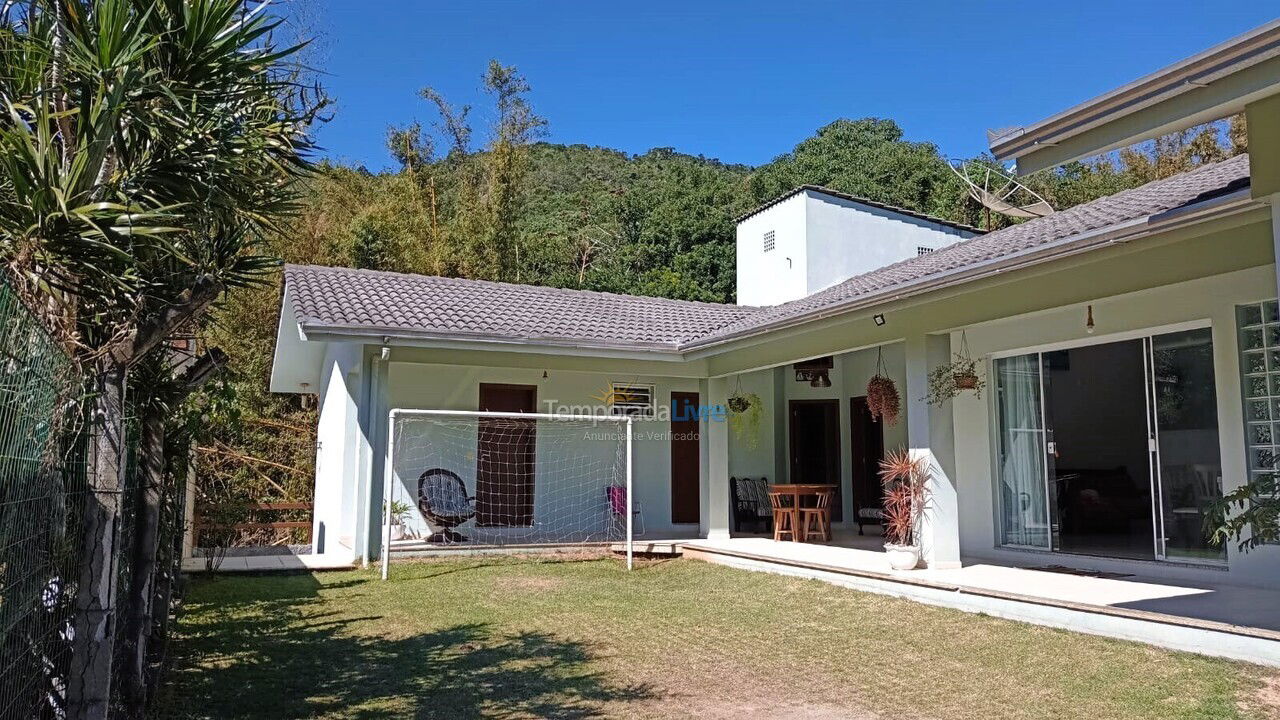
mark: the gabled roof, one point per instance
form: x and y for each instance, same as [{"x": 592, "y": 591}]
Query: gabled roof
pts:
[
  {"x": 861, "y": 201},
  {"x": 376, "y": 303},
  {"x": 371, "y": 303}
]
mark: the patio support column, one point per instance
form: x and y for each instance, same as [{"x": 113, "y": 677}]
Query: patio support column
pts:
[
  {"x": 716, "y": 431},
  {"x": 930, "y": 435}
]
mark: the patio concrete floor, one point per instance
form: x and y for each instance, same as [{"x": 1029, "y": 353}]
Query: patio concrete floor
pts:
[{"x": 1218, "y": 619}]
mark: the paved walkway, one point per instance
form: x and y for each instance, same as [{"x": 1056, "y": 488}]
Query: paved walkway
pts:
[{"x": 268, "y": 563}]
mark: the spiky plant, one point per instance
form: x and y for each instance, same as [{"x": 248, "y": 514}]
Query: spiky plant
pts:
[
  {"x": 144, "y": 146},
  {"x": 904, "y": 479}
]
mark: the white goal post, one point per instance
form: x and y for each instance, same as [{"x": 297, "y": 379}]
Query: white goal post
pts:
[{"x": 508, "y": 478}]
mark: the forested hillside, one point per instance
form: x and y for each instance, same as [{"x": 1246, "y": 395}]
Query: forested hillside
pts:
[{"x": 513, "y": 208}]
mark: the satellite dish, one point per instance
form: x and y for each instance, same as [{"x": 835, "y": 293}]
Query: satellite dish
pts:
[{"x": 999, "y": 191}]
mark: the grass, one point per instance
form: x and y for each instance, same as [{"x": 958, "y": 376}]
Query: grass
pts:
[{"x": 519, "y": 637}]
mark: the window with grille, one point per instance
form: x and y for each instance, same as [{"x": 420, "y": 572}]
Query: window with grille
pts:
[
  {"x": 631, "y": 399},
  {"x": 922, "y": 250},
  {"x": 1259, "y": 325},
  {"x": 769, "y": 239}
]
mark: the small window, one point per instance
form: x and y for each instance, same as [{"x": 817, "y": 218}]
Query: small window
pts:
[
  {"x": 631, "y": 399},
  {"x": 922, "y": 250},
  {"x": 769, "y": 239}
]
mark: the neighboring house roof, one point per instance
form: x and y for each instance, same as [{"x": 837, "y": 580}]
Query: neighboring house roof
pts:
[
  {"x": 1207, "y": 86},
  {"x": 386, "y": 303},
  {"x": 861, "y": 200},
  {"x": 375, "y": 303}
]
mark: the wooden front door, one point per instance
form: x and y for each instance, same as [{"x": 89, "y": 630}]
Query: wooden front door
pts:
[
  {"x": 815, "y": 446},
  {"x": 686, "y": 461},
  {"x": 505, "y": 457},
  {"x": 866, "y": 450}
]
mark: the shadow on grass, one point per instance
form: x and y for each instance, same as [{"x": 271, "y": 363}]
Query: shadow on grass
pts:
[{"x": 282, "y": 657}]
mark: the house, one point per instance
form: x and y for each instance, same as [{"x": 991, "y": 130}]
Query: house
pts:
[{"x": 1130, "y": 347}]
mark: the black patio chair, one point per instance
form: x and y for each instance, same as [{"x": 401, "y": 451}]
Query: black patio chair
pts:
[
  {"x": 751, "y": 503},
  {"x": 443, "y": 500}
]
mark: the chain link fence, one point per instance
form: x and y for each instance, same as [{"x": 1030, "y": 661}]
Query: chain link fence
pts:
[{"x": 44, "y": 489}]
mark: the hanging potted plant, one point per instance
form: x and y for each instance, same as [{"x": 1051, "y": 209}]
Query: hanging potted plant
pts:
[
  {"x": 745, "y": 410},
  {"x": 904, "y": 479},
  {"x": 882, "y": 394},
  {"x": 949, "y": 380}
]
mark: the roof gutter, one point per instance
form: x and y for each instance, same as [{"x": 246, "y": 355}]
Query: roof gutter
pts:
[
  {"x": 465, "y": 341},
  {"x": 1226, "y": 205}
]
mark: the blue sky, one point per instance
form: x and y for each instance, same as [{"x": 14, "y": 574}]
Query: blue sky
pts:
[{"x": 744, "y": 81}]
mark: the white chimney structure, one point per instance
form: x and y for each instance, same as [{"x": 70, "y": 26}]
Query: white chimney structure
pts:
[{"x": 813, "y": 238}]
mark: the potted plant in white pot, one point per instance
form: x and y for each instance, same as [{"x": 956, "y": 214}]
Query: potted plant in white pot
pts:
[
  {"x": 399, "y": 515},
  {"x": 904, "y": 479}
]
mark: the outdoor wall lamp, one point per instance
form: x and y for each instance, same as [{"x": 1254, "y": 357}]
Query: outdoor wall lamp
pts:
[
  {"x": 878, "y": 319},
  {"x": 1088, "y": 323}
]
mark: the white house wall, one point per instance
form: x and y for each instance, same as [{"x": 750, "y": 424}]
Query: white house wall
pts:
[
  {"x": 337, "y": 448},
  {"x": 776, "y": 276},
  {"x": 444, "y": 387},
  {"x": 1211, "y": 299},
  {"x": 847, "y": 238},
  {"x": 821, "y": 240}
]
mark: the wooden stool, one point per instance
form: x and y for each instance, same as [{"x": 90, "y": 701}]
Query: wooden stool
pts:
[
  {"x": 818, "y": 517},
  {"x": 783, "y": 515}
]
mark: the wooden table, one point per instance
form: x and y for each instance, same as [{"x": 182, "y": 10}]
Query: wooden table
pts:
[{"x": 796, "y": 493}]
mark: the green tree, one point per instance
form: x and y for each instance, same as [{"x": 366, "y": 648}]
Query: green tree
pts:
[
  {"x": 144, "y": 145},
  {"x": 868, "y": 158},
  {"x": 1249, "y": 515}
]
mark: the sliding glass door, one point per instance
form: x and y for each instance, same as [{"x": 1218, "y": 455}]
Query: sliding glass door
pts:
[
  {"x": 1109, "y": 449},
  {"x": 1024, "y": 501},
  {"x": 1096, "y": 414},
  {"x": 1185, "y": 418}
]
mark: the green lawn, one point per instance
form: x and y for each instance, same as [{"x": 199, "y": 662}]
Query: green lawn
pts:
[{"x": 517, "y": 637}]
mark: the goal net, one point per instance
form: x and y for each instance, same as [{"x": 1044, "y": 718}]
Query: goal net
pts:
[{"x": 459, "y": 478}]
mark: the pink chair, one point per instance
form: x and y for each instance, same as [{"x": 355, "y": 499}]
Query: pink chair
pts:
[{"x": 616, "y": 495}]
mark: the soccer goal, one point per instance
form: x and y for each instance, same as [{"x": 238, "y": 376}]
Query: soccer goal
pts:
[{"x": 495, "y": 479}]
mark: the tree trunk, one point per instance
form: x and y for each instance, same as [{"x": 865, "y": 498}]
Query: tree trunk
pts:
[
  {"x": 137, "y": 610},
  {"x": 89, "y": 684}
]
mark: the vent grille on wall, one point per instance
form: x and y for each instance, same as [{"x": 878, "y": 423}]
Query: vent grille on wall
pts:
[
  {"x": 922, "y": 250},
  {"x": 769, "y": 239},
  {"x": 631, "y": 399}
]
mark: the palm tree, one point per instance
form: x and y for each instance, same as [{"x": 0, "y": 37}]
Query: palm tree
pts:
[{"x": 144, "y": 146}]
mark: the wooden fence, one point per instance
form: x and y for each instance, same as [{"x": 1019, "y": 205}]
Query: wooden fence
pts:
[{"x": 198, "y": 523}]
